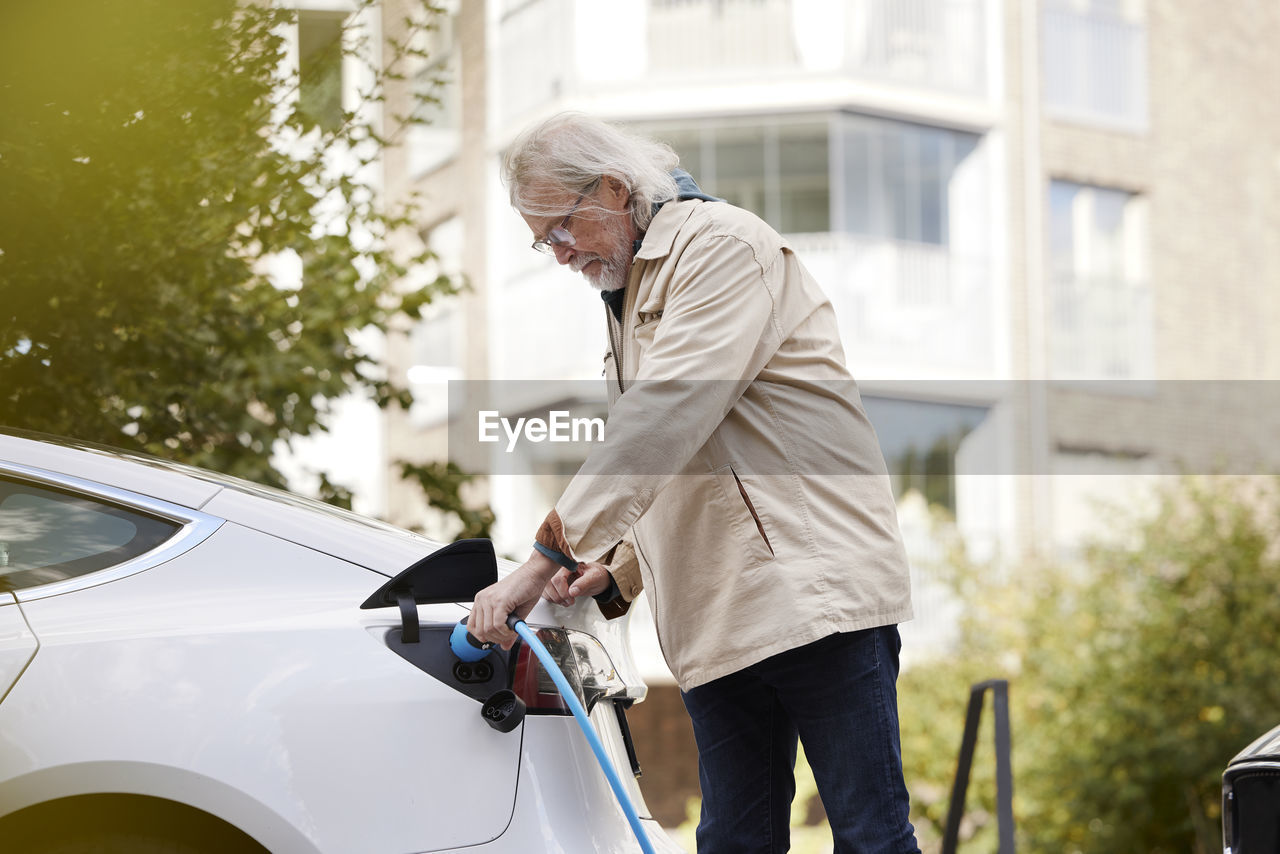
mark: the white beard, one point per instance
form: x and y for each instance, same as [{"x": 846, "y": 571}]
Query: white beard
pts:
[
  {"x": 611, "y": 276},
  {"x": 614, "y": 267}
]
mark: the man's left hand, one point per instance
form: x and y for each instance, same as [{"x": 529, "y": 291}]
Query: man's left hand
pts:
[{"x": 565, "y": 586}]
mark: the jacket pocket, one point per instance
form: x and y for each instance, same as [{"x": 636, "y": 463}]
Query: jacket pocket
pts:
[
  {"x": 698, "y": 518},
  {"x": 747, "y": 525},
  {"x": 751, "y": 508},
  {"x": 651, "y": 310}
]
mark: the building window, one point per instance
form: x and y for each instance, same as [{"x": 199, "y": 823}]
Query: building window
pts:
[
  {"x": 778, "y": 170},
  {"x": 899, "y": 178},
  {"x": 891, "y": 216},
  {"x": 320, "y": 68},
  {"x": 1095, "y": 61},
  {"x": 1100, "y": 313},
  {"x": 920, "y": 440},
  {"x": 892, "y": 179}
]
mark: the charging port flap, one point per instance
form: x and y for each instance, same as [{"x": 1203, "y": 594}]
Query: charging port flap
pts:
[{"x": 455, "y": 573}]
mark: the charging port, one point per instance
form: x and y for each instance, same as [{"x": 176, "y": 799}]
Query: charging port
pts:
[{"x": 468, "y": 672}]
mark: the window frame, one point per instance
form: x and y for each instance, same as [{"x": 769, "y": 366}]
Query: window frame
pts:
[
  {"x": 194, "y": 528},
  {"x": 1072, "y": 92},
  {"x": 1077, "y": 284},
  {"x": 770, "y": 178},
  {"x": 920, "y": 212}
]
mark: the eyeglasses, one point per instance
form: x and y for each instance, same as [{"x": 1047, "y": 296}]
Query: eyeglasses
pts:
[{"x": 559, "y": 236}]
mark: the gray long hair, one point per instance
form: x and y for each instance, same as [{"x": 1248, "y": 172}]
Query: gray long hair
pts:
[{"x": 572, "y": 151}]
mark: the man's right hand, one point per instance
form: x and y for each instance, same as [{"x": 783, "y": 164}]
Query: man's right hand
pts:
[
  {"x": 565, "y": 586},
  {"x": 514, "y": 594}
]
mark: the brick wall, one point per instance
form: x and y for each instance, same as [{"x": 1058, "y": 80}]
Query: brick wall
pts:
[{"x": 668, "y": 755}]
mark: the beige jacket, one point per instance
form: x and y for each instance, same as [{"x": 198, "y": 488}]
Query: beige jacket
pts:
[{"x": 737, "y": 457}]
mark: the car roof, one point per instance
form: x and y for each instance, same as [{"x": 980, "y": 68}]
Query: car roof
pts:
[
  {"x": 1265, "y": 747},
  {"x": 366, "y": 542}
]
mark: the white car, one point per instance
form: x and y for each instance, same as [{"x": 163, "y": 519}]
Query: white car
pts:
[{"x": 186, "y": 666}]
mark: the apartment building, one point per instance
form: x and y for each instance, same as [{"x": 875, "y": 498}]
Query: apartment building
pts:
[{"x": 994, "y": 194}]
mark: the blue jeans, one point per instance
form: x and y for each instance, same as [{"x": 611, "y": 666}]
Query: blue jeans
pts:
[{"x": 839, "y": 697}]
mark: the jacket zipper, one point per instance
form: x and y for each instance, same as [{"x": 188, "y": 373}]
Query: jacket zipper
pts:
[
  {"x": 615, "y": 344},
  {"x": 618, "y": 328}
]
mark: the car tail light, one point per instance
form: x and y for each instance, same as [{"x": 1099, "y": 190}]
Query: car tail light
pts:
[{"x": 586, "y": 667}]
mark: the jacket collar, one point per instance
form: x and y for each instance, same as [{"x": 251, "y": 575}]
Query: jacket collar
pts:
[
  {"x": 663, "y": 229},
  {"x": 668, "y": 217}
]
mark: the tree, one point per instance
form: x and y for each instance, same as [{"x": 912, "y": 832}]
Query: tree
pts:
[
  {"x": 1135, "y": 676},
  {"x": 155, "y": 160}
]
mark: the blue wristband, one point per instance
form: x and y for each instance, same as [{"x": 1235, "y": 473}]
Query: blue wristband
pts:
[
  {"x": 559, "y": 557},
  {"x": 604, "y": 597}
]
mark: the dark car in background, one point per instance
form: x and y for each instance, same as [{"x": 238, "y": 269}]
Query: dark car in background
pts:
[{"x": 1251, "y": 798}]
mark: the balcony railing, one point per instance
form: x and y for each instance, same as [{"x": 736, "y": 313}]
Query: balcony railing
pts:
[
  {"x": 1100, "y": 329},
  {"x": 932, "y": 44},
  {"x": 1095, "y": 67},
  {"x": 906, "y": 310},
  {"x": 705, "y": 36},
  {"x": 547, "y": 48},
  {"x": 935, "y": 44}
]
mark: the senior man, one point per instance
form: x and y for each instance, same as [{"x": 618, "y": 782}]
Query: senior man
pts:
[{"x": 739, "y": 482}]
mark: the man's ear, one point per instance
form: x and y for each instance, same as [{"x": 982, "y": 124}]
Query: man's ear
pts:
[{"x": 616, "y": 189}]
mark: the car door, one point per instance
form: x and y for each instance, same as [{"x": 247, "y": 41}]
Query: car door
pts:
[
  {"x": 51, "y": 537},
  {"x": 243, "y": 664},
  {"x": 17, "y": 644}
]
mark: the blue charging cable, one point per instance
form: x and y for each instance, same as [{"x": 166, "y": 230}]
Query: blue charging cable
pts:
[
  {"x": 467, "y": 648},
  {"x": 566, "y": 691}
]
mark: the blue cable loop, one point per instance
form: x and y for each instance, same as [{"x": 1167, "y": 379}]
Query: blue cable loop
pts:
[{"x": 571, "y": 698}]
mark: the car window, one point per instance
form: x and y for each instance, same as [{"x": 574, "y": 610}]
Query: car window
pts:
[
  {"x": 278, "y": 496},
  {"x": 49, "y": 535}
]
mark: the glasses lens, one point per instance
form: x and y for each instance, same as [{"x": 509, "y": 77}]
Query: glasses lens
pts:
[{"x": 555, "y": 237}]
